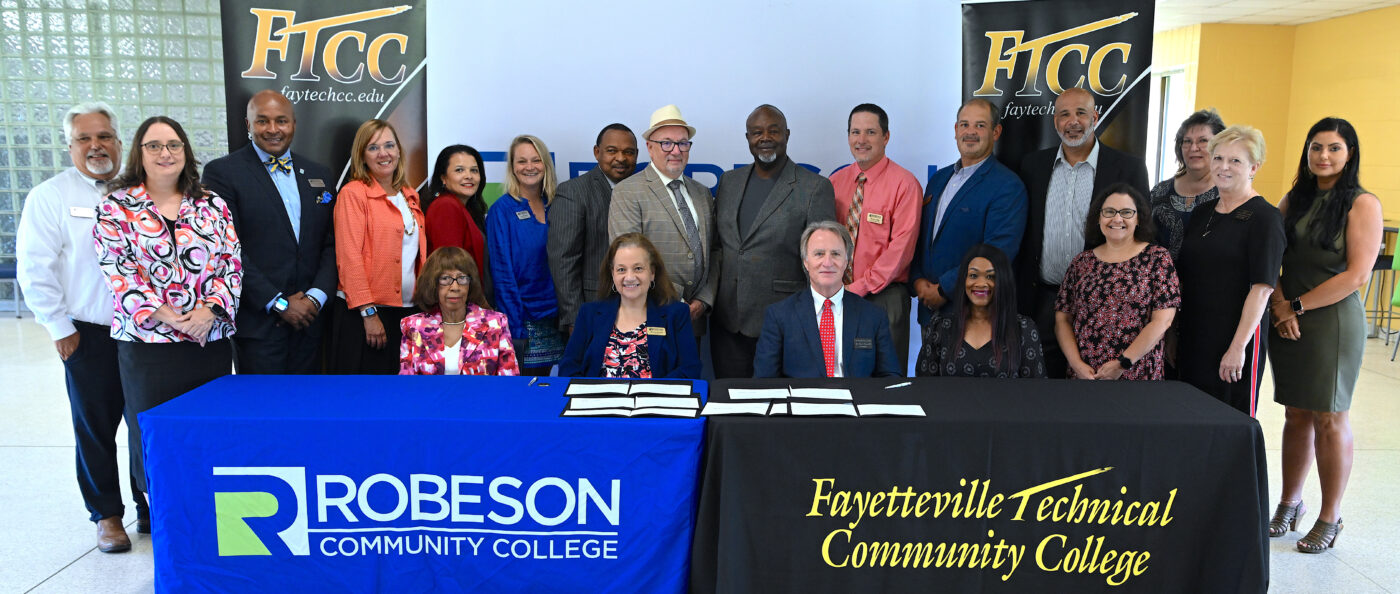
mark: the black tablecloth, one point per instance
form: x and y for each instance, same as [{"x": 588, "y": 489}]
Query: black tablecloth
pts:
[{"x": 771, "y": 494}]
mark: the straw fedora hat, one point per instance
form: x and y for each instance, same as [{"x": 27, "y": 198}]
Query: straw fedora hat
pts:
[{"x": 667, "y": 116}]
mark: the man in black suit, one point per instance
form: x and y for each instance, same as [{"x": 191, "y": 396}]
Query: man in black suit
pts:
[
  {"x": 578, "y": 222},
  {"x": 1060, "y": 182},
  {"x": 282, "y": 206},
  {"x": 760, "y": 213}
]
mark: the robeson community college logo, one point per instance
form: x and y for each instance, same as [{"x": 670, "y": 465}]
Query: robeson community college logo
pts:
[{"x": 416, "y": 514}]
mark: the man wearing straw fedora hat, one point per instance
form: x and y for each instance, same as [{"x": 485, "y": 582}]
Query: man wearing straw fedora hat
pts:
[{"x": 674, "y": 211}]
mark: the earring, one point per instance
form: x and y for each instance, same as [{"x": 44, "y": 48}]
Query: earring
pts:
[{"x": 653, "y": 283}]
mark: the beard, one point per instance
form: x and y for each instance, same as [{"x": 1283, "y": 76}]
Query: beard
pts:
[
  {"x": 101, "y": 166},
  {"x": 1083, "y": 138},
  {"x": 767, "y": 158}
]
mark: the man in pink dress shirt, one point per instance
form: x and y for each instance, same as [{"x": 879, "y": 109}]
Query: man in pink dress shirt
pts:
[{"x": 879, "y": 202}]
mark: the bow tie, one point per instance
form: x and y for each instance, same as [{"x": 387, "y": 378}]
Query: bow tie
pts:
[{"x": 283, "y": 163}]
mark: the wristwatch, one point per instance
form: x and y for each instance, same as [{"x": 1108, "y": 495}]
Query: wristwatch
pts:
[
  {"x": 1297, "y": 304},
  {"x": 369, "y": 311},
  {"x": 1125, "y": 362},
  {"x": 279, "y": 305}
]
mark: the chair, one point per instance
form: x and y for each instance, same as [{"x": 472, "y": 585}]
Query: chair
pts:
[{"x": 8, "y": 271}]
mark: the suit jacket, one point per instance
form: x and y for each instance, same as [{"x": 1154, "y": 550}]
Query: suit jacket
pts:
[
  {"x": 989, "y": 208},
  {"x": 578, "y": 240},
  {"x": 790, "y": 345},
  {"x": 1114, "y": 166},
  {"x": 642, "y": 204},
  {"x": 274, "y": 261},
  {"x": 672, "y": 354},
  {"x": 764, "y": 265}
]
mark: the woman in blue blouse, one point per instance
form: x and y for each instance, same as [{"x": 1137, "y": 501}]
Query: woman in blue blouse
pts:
[{"x": 516, "y": 231}]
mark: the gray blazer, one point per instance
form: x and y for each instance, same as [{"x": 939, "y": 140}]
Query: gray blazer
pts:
[
  {"x": 642, "y": 204},
  {"x": 764, "y": 265},
  {"x": 578, "y": 240}
]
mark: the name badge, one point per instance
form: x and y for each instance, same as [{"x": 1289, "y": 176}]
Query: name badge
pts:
[
  {"x": 522, "y": 215},
  {"x": 865, "y": 344},
  {"x": 875, "y": 217},
  {"x": 655, "y": 331},
  {"x": 82, "y": 212},
  {"x": 316, "y": 183}
]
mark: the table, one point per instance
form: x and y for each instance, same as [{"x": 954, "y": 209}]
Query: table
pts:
[
  {"x": 1006, "y": 486},
  {"x": 412, "y": 484}
]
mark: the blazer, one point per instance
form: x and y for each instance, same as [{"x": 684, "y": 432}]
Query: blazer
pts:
[
  {"x": 485, "y": 348},
  {"x": 1114, "y": 166},
  {"x": 672, "y": 354},
  {"x": 642, "y": 204},
  {"x": 989, "y": 208},
  {"x": 790, "y": 345},
  {"x": 274, "y": 260},
  {"x": 368, "y": 244},
  {"x": 578, "y": 240},
  {"x": 763, "y": 266}
]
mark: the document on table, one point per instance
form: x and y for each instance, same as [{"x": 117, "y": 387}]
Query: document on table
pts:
[
  {"x": 823, "y": 409},
  {"x": 660, "y": 388},
  {"x": 666, "y": 401},
  {"x": 891, "y": 410},
  {"x": 735, "y": 408},
  {"x": 822, "y": 393},
  {"x": 597, "y": 403},
  {"x": 688, "y": 413},
  {"x": 779, "y": 409},
  {"x": 758, "y": 394},
  {"x": 578, "y": 389}
]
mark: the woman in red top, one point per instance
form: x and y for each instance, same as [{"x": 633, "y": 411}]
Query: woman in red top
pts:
[{"x": 456, "y": 211}]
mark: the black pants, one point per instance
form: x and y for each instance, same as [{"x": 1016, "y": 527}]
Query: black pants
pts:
[
  {"x": 96, "y": 401},
  {"x": 285, "y": 351},
  {"x": 350, "y": 355},
  {"x": 1043, "y": 308},
  {"x": 155, "y": 373},
  {"x": 732, "y": 352}
]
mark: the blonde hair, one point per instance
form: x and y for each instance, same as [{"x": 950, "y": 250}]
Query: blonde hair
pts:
[
  {"x": 1250, "y": 137},
  {"x": 551, "y": 179},
  {"x": 359, "y": 169}
]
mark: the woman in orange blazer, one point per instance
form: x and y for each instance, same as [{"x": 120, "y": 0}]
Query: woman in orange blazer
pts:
[{"x": 379, "y": 244}]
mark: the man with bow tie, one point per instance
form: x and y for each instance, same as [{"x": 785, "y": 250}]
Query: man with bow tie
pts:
[{"x": 282, "y": 207}]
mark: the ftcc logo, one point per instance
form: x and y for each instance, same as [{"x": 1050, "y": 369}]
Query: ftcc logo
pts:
[{"x": 231, "y": 511}]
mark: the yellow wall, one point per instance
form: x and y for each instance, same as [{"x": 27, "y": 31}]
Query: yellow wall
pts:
[
  {"x": 1246, "y": 72},
  {"x": 1178, "y": 48}
]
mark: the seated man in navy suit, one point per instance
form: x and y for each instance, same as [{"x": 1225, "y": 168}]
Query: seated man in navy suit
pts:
[{"x": 825, "y": 331}]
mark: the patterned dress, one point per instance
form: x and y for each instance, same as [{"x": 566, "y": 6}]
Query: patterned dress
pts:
[
  {"x": 626, "y": 354},
  {"x": 1171, "y": 212},
  {"x": 1110, "y": 303},
  {"x": 485, "y": 348},
  {"x": 936, "y": 358}
]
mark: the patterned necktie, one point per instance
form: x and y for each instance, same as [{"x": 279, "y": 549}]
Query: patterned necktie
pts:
[
  {"x": 283, "y": 163},
  {"x": 692, "y": 235},
  {"x": 828, "y": 332},
  {"x": 853, "y": 223}
]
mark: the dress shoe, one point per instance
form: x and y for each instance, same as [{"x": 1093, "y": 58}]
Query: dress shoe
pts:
[
  {"x": 143, "y": 524},
  {"x": 111, "y": 537}
]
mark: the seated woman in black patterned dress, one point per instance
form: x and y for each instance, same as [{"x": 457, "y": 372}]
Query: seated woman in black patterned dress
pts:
[
  {"x": 980, "y": 334},
  {"x": 642, "y": 330}
]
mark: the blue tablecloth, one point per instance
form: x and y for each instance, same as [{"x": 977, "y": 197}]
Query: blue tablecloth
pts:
[{"x": 408, "y": 484}]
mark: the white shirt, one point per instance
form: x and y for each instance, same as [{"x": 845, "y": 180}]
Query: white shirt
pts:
[
  {"x": 1066, "y": 208},
  {"x": 452, "y": 359},
  {"x": 58, "y": 270},
  {"x": 684, "y": 194},
  {"x": 410, "y": 247},
  {"x": 838, "y": 313}
]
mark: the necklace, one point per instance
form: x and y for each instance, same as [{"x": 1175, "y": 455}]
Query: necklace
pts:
[{"x": 447, "y": 323}]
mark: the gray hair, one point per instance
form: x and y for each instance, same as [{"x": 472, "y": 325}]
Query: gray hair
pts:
[
  {"x": 832, "y": 226},
  {"x": 85, "y": 109}
]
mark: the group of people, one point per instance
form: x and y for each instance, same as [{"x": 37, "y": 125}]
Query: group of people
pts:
[{"x": 153, "y": 280}]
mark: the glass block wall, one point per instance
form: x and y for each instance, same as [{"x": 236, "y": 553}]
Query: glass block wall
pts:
[{"x": 144, "y": 57}]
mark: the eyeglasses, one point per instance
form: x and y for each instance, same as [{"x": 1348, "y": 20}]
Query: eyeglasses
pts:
[
  {"x": 154, "y": 148},
  {"x": 446, "y": 281},
  {"x": 667, "y": 145},
  {"x": 1126, "y": 213}
]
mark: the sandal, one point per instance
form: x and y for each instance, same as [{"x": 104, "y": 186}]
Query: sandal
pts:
[
  {"x": 1323, "y": 536},
  {"x": 1286, "y": 518}
]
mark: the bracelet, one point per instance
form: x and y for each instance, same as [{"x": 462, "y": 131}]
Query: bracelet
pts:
[{"x": 313, "y": 300}]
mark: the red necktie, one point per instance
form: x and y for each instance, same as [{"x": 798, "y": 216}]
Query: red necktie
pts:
[{"x": 828, "y": 332}]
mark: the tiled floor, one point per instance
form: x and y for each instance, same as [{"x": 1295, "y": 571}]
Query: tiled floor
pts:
[{"x": 50, "y": 547}]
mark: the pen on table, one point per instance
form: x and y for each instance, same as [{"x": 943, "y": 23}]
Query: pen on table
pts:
[
  {"x": 899, "y": 385},
  {"x": 532, "y": 381}
]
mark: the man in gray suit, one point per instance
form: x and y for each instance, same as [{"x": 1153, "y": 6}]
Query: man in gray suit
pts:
[
  {"x": 578, "y": 221},
  {"x": 674, "y": 211},
  {"x": 760, "y": 212}
]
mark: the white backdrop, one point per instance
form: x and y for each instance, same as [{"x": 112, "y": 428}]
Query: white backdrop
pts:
[{"x": 562, "y": 70}]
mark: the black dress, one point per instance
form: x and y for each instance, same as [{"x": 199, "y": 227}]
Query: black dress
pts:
[
  {"x": 1222, "y": 256},
  {"x": 935, "y": 358}
]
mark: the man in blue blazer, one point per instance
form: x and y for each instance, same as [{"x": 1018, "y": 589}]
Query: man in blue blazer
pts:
[
  {"x": 974, "y": 200},
  {"x": 826, "y": 331}
]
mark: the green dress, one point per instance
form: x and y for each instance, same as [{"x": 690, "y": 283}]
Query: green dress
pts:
[{"x": 1318, "y": 371}]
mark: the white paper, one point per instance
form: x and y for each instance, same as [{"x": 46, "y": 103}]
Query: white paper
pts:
[
  {"x": 599, "y": 412},
  {"x": 688, "y": 413},
  {"x": 577, "y": 389},
  {"x": 667, "y": 402},
  {"x": 735, "y": 408},
  {"x": 823, "y": 393},
  {"x": 655, "y": 388},
  {"x": 758, "y": 394},
  {"x": 779, "y": 409},
  {"x": 596, "y": 403},
  {"x": 891, "y": 410},
  {"x": 835, "y": 408}
]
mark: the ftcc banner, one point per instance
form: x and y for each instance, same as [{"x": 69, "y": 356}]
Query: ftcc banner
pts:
[
  {"x": 1022, "y": 55},
  {"x": 340, "y": 63}
]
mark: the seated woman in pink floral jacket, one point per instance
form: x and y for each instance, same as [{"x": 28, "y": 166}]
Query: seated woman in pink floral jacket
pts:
[{"x": 456, "y": 334}]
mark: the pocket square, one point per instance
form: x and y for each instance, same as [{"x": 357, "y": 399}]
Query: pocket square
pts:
[{"x": 325, "y": 198}]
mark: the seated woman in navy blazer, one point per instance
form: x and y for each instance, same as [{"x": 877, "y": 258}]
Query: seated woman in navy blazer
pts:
[{"x": 643, "y": 330}]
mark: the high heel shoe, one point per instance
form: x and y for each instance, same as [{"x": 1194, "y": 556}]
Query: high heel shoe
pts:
[
  {"x": 1286, "y": 518},
  {"x": 1323, "y": 536}
]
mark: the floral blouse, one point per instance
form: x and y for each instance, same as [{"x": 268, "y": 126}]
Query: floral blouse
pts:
[
  {"x": 485, "y": 347},
  {"x": 148, "y": 267},
  {"x": 1109, "y": 303},
  {"x": 626, "y": 354}
]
